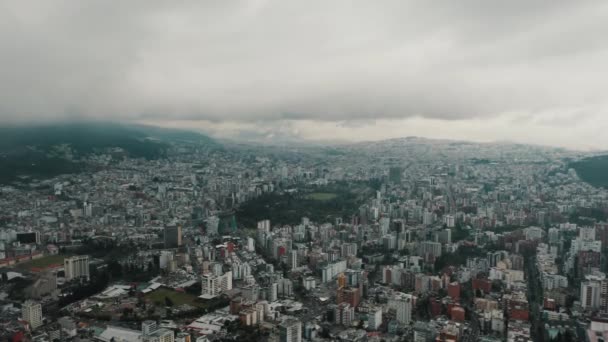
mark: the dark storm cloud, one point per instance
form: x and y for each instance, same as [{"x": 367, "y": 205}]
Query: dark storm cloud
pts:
[{"x": 283, "y": 60}]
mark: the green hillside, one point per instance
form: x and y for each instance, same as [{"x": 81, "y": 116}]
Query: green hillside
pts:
[
  {"x": 593, "y": 170},
  {"x": 42, "y": 151}
]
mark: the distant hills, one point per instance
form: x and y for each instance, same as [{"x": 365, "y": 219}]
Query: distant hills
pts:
[{"x": 42, "y": 151}]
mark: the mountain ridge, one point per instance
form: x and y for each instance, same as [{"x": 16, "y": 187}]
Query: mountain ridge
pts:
[{"x": 47, "y": 150}]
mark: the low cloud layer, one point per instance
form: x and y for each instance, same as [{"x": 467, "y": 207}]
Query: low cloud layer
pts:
[
  {"x": 331, "y": 61},
  {"x": 569, "y": 130}
]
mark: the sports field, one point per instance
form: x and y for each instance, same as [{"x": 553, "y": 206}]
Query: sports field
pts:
[
  {"x": 43, "y": 263},
  {"x": 178, "y": 298}
]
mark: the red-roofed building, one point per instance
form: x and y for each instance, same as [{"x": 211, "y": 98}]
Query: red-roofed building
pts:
[
  {"x": 458, "y": 314},
  {"x": 436, "y": 307},
  {"x": 484, "y": 285},
  {"x": 454, "y": 291}
]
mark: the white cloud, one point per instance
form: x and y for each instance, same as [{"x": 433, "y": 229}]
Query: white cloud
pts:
[{"x": 469, "y": 61}]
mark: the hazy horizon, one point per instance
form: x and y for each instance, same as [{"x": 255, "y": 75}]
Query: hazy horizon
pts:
[{"x": 520, "y": 71}]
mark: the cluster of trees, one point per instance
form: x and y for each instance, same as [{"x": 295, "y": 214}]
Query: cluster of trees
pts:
[
  {"x": 131, "y": 272},
  {"x": 289, "y": 208},
  {"x": 459, "y": 232},
  {"x": 243, "y": 334},
  {"x": 459, "y": 257},
  {"x": 99, "y": 281},
  {"x": 18, "y": 285},
  {"x": 588, "y": 216},
  {"x": 106, "y": 248},
  {"x": 209, "y": 306},
  {"x": 35, "y": 165},
  {"x": 567, "y": 336}
]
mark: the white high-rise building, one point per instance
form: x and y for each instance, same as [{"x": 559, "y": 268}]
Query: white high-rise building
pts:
[
  {"x": 375, "y": 319},
  {"x": 553, "y": 281},
  {"x": 88, "y": 209},
  {"x": 165, "y": 259},
  {"x": 290, "y": 331},
  {"x": 331, "y": 271},
  {"x": 389, "y": 242},
  {"x": 216, "y": 268},
  {"x": 273, "y": 292},
  {"x": 160, "y": 335},
  {"x": 385, "y": 223},
  {"x": 226, "y": 281},
  {"x": 76, "y": 267},
  {"x": 210, "y": 285},
  {"x": 533, "y": 233},
  {"x": 428, "y": 218},
  {"x": 213, "y": 285},
  {"x": 450, "y": 221},
  {"x": 240, "y": 270},
  {"x": 285, "y": 287},
  {"x": 309, "y": 283},
  {"x": 348, "y": 249},
  {"x": 553, "y": 235},
  {"x": 587, "y": 233},
  {"x": 212, "y": 224},
  {"x": 264, "y": 225},
  {"x": 429, "y": 248},
  {"x": 31, "y": 312},
  {"x": 344, "y": 314},
  {"x": 403, "y": 304},
  {"x": 148, "y": 327},
  {"x": 293, "y": 260},
  {"x": 590, "y": 294}
]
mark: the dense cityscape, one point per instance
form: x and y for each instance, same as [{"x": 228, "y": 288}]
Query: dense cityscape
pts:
[
  {"x": 303, "y": 171},
  {"x": 397, "y": 240}
]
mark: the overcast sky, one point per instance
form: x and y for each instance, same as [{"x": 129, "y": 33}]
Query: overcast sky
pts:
[{"x": 526, "y": 71}]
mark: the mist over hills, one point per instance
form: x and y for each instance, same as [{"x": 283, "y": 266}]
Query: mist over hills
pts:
[
  {"x": 48, "y": 150},
  {"x": 84, "y": 137}
]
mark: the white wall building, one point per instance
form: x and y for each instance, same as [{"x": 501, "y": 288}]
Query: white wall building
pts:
[
  {"x": 290, "y": 331},
  {"x": 331, "y": 271},
  {"x": 31, "y": 312},
  {"x": 375, "y": 319},
  {"x": 403, "y": 304},
  {"x": 590, "y": 294},
  {"x": 213, "y": 285},
  {"x": 76, "y": 267}
]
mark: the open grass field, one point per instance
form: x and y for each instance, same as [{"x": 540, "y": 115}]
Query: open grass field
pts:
[
  {"x": 178, "y": 298},
  {"x": 321, "y": 196},
  {"x": 44, "y": 262}
]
